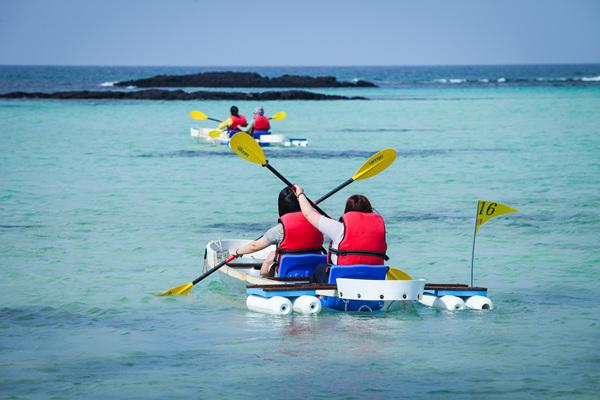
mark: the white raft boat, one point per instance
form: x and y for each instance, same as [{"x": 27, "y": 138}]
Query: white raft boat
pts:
[
  {"x": 264, "y": 140},
  {"x": 350, "y": 287}
]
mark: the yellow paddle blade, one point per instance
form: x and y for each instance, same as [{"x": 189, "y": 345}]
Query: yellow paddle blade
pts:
[
  {"x": 246, "y": 147},
  {"x": 394, "y": 274},
  {"x": 214, "y": 134},
  {"x": 183, "y": 289},
  {"x": 199, "y": 115},
  {"x": 374, "y": 165},
  {"x": 279, "y": 116}
]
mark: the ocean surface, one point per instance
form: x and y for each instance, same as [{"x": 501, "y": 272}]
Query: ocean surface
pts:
[{"x": 103, "y": 203}]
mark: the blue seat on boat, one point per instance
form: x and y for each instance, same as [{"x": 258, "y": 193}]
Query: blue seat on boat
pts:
[
  {"x": 371, "y": 272},
  {"x": 359, "y": 271},
  {"x": 257, "y": 134},
  {"x": 299, "y": 265}
]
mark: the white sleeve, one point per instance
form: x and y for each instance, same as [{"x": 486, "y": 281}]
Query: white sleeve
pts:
[{"x": 331, "y": 228}]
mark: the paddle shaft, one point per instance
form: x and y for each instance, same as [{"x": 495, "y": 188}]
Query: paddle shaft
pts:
[
  {"x": 334, "y": 191},
  {"x": 216, "y": 267},
  {"x": 289, "y": 184}
]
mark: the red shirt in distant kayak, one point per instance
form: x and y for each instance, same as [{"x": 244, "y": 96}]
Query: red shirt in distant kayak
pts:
[{"x": 235, "y": 122}]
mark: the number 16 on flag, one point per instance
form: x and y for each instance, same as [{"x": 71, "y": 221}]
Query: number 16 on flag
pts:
[{"x": 487, "y": 210}]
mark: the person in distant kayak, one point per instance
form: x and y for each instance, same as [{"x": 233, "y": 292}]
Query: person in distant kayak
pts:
[
  {"x": 259, "y": 125},
  {"x": 293, "y": 234},
  {"x": 357, "y": 238},
  {"x": 235, "y": 122}
]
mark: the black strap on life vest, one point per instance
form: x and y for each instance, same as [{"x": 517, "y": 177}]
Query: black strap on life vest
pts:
[
  {"x": 304, "y": 251},
  {"x": 359, "y": 252}
]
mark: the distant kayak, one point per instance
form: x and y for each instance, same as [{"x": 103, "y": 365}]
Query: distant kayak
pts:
[{"x": 270, "y": 139}]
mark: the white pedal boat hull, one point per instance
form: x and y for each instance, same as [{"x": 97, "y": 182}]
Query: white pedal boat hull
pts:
[{"x": 265, "y": 140}]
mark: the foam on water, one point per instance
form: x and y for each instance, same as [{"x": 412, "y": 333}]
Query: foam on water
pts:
[{"x": 591, "y": 79}]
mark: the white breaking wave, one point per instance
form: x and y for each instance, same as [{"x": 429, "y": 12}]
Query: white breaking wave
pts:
[
  {"x": 107, "y": 84},
  {"x": 501, "y": 80},
  {"x": 551, "y": 79},
  {"x": 484, "y": 80},
  {"x": 450, "y": 80},
  {"x": 591, "y": 79},
  {"x": 130, "y": 87}
]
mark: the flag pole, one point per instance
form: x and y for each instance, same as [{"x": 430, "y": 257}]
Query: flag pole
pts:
[{"x": 474, "y": 235}]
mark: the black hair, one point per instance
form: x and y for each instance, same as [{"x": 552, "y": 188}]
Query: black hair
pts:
[
  {"x": 234, "y": 111},
  {"x": 288, "y": 202}
]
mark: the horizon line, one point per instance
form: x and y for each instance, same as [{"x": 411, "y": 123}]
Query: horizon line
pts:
[{"x": 300, "y": 66}]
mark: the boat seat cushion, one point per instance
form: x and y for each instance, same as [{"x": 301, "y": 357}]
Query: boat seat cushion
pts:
[
  {"x": 299, "y": 265},
  {"x": 359, "y": 271}
]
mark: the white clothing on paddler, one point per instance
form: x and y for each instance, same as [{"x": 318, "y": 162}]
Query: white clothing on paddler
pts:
[{"x": 334, "y": 230}]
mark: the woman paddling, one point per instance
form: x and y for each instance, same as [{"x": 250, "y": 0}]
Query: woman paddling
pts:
[
  {"x": 234, "y": 122},
  {"x": 358, "y": 238},
  {"x": 293, "y": 234}
]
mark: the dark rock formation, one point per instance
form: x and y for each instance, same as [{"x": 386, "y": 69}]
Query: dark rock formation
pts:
[
  {"x": 241, "y": 79},
  {"x": 159, "y": 94}
]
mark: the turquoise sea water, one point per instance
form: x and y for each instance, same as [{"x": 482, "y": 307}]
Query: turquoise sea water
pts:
[{"x": 104, "y": 202}]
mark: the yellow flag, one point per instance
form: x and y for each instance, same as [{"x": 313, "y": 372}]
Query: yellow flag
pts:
[{"x": 487, "y": 210}]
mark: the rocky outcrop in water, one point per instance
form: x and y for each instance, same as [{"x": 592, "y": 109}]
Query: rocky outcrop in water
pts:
[
  {"x": 242, "y": 79},
  {"x": 158, "y": 94}
]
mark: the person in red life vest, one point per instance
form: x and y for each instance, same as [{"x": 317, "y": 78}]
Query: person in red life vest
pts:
[
  {"x": 357, "y": 238},
  {"x": 293, "y": 234},
  {"x": 235, "y": 122},
  {"x": 259, "y": 125}
]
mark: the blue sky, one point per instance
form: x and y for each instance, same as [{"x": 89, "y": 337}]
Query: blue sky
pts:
[{"x": 305, "y": 32}]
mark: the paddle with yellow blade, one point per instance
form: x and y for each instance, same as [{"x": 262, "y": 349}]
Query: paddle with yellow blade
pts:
[
  {"x": 485, "y": 211},
  {"x": 186, "y": 287},
  {"x": 374, "y": 165},
  {"x": 216, "y": 133},
  {"x": 278, "y": 116},
  {"x": 200, "y": 116},
  {"x": 248, "y": 149}
]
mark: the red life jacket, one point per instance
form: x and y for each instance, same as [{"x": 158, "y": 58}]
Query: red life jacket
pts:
[
  {"x": 236, "y": 122},
  {"x": 261, "y": 123},
  {"x": 363, "y": 241},
  {"x": 299, "y": 236}
]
